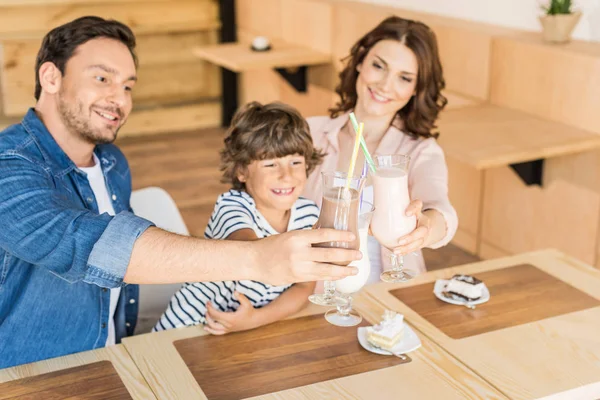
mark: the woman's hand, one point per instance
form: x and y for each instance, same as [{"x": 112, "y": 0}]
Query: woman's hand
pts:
[
  {"x": 220, "y": 323},
  {"x": 421, "y": 236}
]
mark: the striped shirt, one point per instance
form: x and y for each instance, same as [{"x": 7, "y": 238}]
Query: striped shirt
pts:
[{"x": 233, "y": 211}]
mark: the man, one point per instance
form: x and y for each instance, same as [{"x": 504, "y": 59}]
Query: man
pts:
[{"x": 71, "y": 251}]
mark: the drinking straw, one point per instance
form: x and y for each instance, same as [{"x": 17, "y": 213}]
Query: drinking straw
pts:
[
  {"x": 362, "y": 175},
  {"x": 363, "y": 144},
  {"x": 354, "y": 154}
]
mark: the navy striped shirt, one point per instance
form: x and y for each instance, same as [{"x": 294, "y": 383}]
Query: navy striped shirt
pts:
[{"x": 233, "y": 211}]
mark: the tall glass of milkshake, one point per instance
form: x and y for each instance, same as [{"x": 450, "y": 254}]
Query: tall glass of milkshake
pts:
[
  {"x": 344, "y": 314},
  {"x": 339, "y": 210},
  {"x": 391, "y": 198}
]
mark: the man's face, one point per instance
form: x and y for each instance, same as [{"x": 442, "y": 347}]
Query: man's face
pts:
[{"x": 94, "y": 99}]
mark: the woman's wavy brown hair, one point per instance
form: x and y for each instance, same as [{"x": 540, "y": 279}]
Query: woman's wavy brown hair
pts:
[
  {"x": 260, "y": 132},
  {"x": 421, "y": 112}
]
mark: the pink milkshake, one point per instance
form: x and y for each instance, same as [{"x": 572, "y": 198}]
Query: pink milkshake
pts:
[
  {"x": 391, "y": 198},
  {"x": 390, "y": 193}
]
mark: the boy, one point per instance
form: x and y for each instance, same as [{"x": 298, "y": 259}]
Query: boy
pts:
[{"x": 267, "y": 157}]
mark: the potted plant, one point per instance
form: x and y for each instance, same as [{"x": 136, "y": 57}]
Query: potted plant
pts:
[{"x": 559, "y": 21}]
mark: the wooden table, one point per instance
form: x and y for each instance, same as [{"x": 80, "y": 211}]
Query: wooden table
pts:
[
  {"x": 432, "y": 373},
  {"x": 497, "y": 160},
  {"x": 537, "y": 337},
  {"x": 487, "y": 136},
  {"x": 238, "y": 57},
  {"x": 107, "y": 373}
]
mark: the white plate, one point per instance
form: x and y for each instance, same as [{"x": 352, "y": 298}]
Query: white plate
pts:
[
  {"x": 440, "y": 284},
  {"x": 410, "y": 342}
]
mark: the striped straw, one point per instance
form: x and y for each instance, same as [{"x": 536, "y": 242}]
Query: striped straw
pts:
[{"x": 363, "y": 144}]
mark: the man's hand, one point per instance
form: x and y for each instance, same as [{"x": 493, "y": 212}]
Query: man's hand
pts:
[{"x": 290, "y": 258}]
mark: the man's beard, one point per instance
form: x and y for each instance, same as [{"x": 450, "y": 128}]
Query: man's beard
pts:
[{"x": 77, "y": 120}]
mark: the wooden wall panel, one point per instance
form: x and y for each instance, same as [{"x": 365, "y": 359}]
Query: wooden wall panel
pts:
[
  {"x": 307, "y": 23},
  {"x": 350, "y": 23},
  {"x": 465, "y": 191},
  {"x": 465, "y": 47},
  {"x": 165, "y": 120},
  {"x": 153, "y": 17},
  {"x": 316, "y": 101},
  {"x": 563, "y": 214},
  {"x": 259, "y": 17},
  {"x": 167, "y": 71},
  {"x": 558, "y": 83},
  {"x": 465, "y": 56},
  {"x": 260, "y": 85}
]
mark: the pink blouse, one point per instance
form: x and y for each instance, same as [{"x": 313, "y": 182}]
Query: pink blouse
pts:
[{"x": 427, "y": 176}]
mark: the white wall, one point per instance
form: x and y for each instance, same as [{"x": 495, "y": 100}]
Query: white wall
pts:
[{"x": 521, "y": 14}]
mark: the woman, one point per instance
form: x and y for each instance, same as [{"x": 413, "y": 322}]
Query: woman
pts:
[{"x": 392, "y": 81}]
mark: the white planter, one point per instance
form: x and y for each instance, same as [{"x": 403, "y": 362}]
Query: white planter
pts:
[{"x": 558, "y": 28}]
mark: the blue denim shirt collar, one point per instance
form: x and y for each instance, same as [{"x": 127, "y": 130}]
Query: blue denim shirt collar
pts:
[{"x": 59, "y": 161}]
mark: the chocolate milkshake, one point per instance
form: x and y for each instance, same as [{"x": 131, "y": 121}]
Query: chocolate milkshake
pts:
[{"x": 339, "y": 210}]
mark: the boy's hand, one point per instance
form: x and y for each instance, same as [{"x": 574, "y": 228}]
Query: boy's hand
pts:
[{"x": 220, "y": 323}]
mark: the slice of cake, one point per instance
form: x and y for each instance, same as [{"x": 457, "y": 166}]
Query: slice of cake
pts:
[
  {"x": 388, "y": 332},
  {"x": 464, "y": 287}
]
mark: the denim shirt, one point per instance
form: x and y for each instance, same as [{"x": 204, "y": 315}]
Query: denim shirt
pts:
[{"x": 58, "y": 257}]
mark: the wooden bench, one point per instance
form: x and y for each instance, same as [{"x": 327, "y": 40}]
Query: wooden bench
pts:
[
  {"x": 175, "y": 90},
  {"x": 483, "y": 141}
]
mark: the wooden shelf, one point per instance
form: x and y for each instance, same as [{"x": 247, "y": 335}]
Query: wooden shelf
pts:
[
  {"x": 487, "y": 136},
  {"x": 238, "y": 57},
  {"x": 456, "y": 100}
]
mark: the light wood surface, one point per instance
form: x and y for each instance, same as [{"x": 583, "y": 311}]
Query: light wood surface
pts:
[
  {"x": 284, "y": 355},
  {"x": 117, "y": 355},
  {"x": 98, "y": 380},
  {"x": 66, "y": 2},
  {"x": 465, "y": 47},
  {"x": 259, "y": 17},
  {"x": 168, "y": 70},
  {"x": 156, "y": 16},
  {"x": 563, "y": 213},
  {"x": 431, "y": 374},
  {"x": 239, "y": 57},
  {"x": 465, "y": 190},
  {"x": 172, "y": 119},
  {"x": 458, "y": 100},
  {"x": 520, "y": 294},
  {"x": 558, "y": 83},
  {"x": 161, "y": 120},
  {"x": 553, "y": 356},
  {"x": 307, "y": 23},
  {"x": 488, "y": 136}
]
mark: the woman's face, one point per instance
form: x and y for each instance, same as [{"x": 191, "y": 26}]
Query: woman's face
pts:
[{"x": 387, "y": 79}]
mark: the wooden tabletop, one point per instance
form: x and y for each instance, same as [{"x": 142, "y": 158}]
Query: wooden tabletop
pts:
[
  {"x": 284, "y": 355},
  {"x": 487, "y": 136},
  {"x": 239, "y": 57},
  {"x": 100, "y": 374},
  {"x": 557, "y": 356},
  {"x": 431, "y": 373}
]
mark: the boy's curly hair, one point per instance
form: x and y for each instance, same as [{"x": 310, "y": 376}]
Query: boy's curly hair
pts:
[{"x": 260, "y": 132}]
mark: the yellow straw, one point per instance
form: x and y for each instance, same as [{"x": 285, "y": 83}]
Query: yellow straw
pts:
[{"x": 354, "y": 154}]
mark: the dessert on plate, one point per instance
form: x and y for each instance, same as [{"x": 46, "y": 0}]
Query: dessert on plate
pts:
[
  {"x": 388, "y": 332},
  {"x": 464, "y": 287}
]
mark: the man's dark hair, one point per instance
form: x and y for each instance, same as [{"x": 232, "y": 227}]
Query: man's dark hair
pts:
[{"x": 60, "y": 43}]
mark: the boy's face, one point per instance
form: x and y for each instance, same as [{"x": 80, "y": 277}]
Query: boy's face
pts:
[{"x": 275, "y": 184}]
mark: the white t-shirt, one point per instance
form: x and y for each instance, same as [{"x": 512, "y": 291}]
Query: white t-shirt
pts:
[{"x": 96, "y": 180}]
